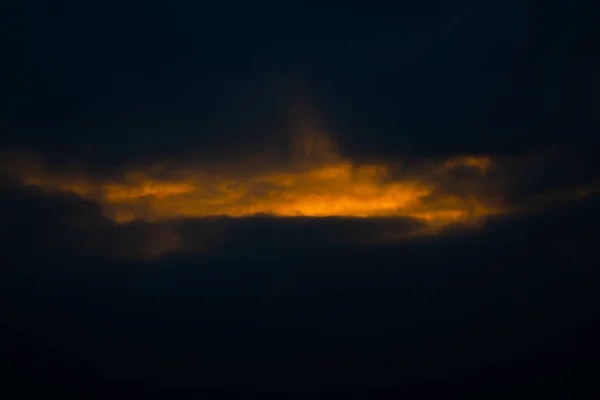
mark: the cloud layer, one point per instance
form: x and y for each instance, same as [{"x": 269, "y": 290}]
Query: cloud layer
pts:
[{"x": 318, "y": 198}]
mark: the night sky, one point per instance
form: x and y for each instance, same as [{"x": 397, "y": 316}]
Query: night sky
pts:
[{"x": 299, "y": 197}]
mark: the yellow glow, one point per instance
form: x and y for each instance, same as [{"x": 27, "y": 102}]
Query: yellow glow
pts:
[
  {"x": 481, "y": 163},
  {"x": 318, "y": 182}
]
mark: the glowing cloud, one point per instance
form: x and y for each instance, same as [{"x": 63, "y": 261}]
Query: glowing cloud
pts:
[
  {"x": 318, "y": 182},
  {"x": 318, "y": 193}
]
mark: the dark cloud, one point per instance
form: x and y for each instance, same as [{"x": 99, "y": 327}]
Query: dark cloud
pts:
[
  {"x": 44, "y": 224},
  {"x": 503, "y": 303},
  {"x": 549, "y": 172},
  {"x": 165, "y": 106},
  {"x": 40, "y": 227},
  {"x": 168, "y": 80}
]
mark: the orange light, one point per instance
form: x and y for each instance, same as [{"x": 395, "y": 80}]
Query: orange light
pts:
[{"x": 318, "y": 183}]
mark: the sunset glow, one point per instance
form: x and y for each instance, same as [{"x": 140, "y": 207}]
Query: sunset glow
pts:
[{"x": 318, "y": 183}]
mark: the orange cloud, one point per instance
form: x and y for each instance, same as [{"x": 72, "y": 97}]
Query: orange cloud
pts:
[{"x": 318, "y": 182}]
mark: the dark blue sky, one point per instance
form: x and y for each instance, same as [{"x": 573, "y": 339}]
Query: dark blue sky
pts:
[
  {"x": 112, "y": 81},
  {"x": 302, "y": 304}
]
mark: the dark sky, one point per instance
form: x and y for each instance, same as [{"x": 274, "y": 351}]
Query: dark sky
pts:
[{"x": 299, "y": 196}]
